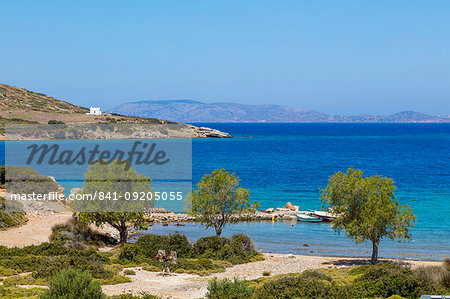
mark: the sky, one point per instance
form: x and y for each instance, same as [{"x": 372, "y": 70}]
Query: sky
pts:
[{"x": 342, "y": 57}]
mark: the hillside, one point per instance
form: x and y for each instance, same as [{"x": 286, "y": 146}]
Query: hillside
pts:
[
  {"x": 18, "y": 106},
  {"x": 19, "y": 98},
  {"x": 195, "y": 111}
]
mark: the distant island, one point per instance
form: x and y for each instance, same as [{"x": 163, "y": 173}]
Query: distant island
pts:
[{"x": 191, "y": 111}]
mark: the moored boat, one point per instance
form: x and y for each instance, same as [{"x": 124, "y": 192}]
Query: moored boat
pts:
[
  {"x": 307, "y": 218},
  {"x": 326, "y": 216}
]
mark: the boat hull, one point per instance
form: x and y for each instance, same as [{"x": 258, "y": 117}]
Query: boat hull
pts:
[{"x": 308, "y": 218}]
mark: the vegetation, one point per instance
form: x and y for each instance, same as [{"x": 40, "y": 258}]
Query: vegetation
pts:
[
  {"x": 73, "y": 284},
  {"x": 227, "y": 289},
  {"x": 219, "y": 198},
  {"x": 18, "y": 292},
  {"x": 367, "y": 209},
  {"x": 25, "y": 180},
  {"x": 207, "y": 255},
  {"x": 4, "y": 121},
  {"x": 10, "y": 218},
  {"x": 74, "y": 234},
  {"x": 20, "y": 98},
  {"x": 113, "y": 180},
  {"x": 55, "y": 122},
  {"x": 383, "y": 280}
]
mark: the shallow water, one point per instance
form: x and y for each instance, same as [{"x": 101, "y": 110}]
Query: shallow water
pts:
[{"x": 292, "y": 162}]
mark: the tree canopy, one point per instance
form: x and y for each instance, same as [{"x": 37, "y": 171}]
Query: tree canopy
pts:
[
  {"x": 115, "y": 203},
  {"x": 219, "y": 199},
  {"x": 366, "y": 208}
]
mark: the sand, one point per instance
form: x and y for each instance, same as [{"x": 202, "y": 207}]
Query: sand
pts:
[{"x": 36, "y": 231}]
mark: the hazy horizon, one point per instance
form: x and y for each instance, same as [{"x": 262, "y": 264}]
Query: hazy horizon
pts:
[{"x": 347, "y": 58}]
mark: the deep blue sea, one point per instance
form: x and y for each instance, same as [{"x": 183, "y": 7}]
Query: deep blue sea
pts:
[{"x": 292, "y": 162}]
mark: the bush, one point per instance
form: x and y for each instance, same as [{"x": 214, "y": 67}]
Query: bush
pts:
[
  {"x": 73, "y": 284},
  {"x": 309, "y": 285},
  {"x": 16, "y": 292},
  {"x": 266, "y": 273},
  {"x": 237, "y": 250},
  {"x": 129, "y": 272},
  {"x": 150, "y": 244},
  {"x": 227, "y": 289},
  {"x": 387, "y": 279},
  {"x": 9, "y": 218},
  {"x": 55, "y": 122},
  {"x": 128, "y": 252},
  {"x": 73, "y": 234}
]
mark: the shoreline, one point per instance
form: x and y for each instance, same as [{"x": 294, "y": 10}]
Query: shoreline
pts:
[{"x": 38, "y": 229}]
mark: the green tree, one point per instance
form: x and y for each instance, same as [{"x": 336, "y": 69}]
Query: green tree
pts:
[
  {"x": 120, "y": 197},
  {"x": 367, "y": 209},
  {"x": 73, "y": 284},
  {"x": 219, "y": 199}
]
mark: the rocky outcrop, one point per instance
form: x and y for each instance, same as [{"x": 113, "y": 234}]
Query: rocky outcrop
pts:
[{"x": 204, "y": 132}]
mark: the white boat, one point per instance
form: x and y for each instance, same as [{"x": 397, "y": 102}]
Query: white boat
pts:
[
  {"x": 326, "y": 216},
  {"x": 307, "y": 218}
]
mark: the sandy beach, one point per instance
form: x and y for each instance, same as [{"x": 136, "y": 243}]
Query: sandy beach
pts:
[{"x": 36, "y": 231}]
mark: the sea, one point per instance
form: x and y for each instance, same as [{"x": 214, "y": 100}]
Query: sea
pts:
[{"x": 282, "y": 163}]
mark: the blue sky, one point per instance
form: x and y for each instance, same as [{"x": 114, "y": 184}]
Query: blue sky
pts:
[{"x": 344, "y": 57}]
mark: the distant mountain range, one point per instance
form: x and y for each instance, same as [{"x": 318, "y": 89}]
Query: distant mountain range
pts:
[{"x": 194, "y": 111}]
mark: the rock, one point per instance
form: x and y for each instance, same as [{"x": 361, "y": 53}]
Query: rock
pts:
[
  {"x": 296, "y": 208},
  {"x": 204, "y": 132},
  {"x": 270, "y": 210},
  {"x": 305, "y": 245},
  {"x": 290, "y": 256},
  {"x": 260, "y": 251},
  {"x": 289, "y": 217},
  {"x": 290, "y": 206}
]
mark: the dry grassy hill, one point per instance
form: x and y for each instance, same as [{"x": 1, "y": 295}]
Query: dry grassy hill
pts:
[
  {"x": 18, "y": 105},
  {"x": 12, "y": 98}
]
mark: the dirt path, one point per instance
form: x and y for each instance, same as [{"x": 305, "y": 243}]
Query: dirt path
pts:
[
  {"x": 34, "y": 232},
  {"x": 194, "y": 286}
]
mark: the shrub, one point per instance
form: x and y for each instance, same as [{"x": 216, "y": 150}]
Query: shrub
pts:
[
  {"x": 73, "y": 234},
  {"x": 115, "y": 279},
  {"x": 302, "y": 286},
  {"x": 129, "y": 272},
  {"x": 9, "y": 218},
  {"x": 150, "y": 244},
  {"x": 237, "y": 250},
  {"x": 55, "y": 122},
  {"x": 73, "y": 284},
  {"x": 227, "y": 289},
  {"x": 24, "y": 280},
  {"x": 16, "y": 292},
  {"x": 387, "y": 279},
  {"x": 128, "y": 252},
  {"x": 266, "y": 273}
]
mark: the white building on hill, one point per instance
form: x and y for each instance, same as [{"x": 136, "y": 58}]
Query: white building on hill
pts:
[{"x": 95, "y": 111}]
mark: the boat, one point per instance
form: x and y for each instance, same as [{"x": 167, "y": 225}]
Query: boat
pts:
[
  {"x": 308, "y": 218},
  {"x": 326, "y": 216}
]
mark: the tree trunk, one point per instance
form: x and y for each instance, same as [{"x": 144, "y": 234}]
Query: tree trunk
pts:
[
  {"x": 123, "y": 233},
  {"x": 218, "y": 230},
  {"x": 375, "y": 251}
]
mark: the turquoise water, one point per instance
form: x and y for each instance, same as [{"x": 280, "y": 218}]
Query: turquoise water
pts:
[{"x": 292, "y": 162}]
